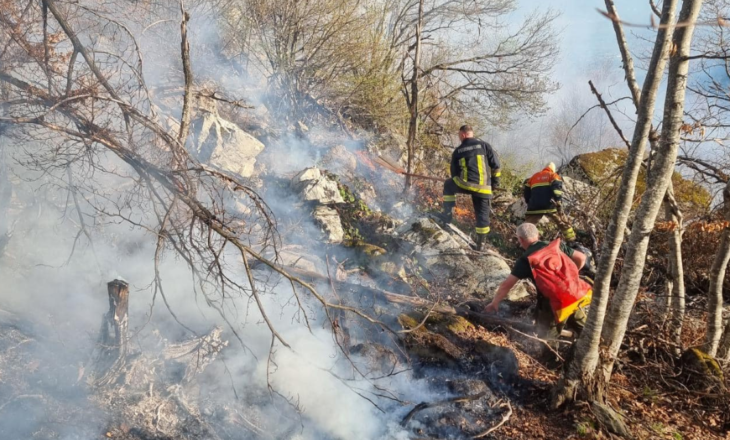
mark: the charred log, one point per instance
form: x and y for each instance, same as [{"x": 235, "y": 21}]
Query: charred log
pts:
[{"x": 114, "y": 334}]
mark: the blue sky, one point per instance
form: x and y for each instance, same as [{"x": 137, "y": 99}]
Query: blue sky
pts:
[
  {"x": 588, "y": 37},
  {"x": 588, "y": 51}
]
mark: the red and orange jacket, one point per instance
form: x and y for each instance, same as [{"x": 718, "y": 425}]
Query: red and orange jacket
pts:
[
  {"x": 542, "y": 190},
  {"x": 556, "y": 278}
]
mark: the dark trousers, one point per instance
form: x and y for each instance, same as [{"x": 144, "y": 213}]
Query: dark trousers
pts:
[
  {"x": 481, "y": 203},
  {"x": 549, "y": 329}
]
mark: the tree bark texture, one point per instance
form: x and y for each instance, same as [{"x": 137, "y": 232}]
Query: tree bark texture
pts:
[
  {"x": 657, "y": 183},
  {"x": 626, "y": 58},
  {"x": 413, "y": 123},
  {"x": 676, "y": 269},
  {"x": 117, "y": 319},
  {"x": 714, "y": 295},
  {"x": 580, "y": 371}
]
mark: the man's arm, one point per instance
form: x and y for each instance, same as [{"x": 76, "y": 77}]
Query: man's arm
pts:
[
  {"x": 557, "y": 186},
  {"x": 493, "y": 162},
  {"x": 526, "y": 190},
  {"x": 454, "y": 166},
  {"x": 579, "y": 259},
  {"x": 502, "y": 292}
]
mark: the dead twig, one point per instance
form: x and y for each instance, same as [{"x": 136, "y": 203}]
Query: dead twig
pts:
[
  {"x": 505, "y": 417},
  {"x": 604, "y": 106},
  {"x": 424, "y": 405}
]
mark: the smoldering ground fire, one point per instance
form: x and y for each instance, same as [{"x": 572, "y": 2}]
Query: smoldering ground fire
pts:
[
  {"x": 210, "y": 346},
  {"x": 198, "y": 239}
]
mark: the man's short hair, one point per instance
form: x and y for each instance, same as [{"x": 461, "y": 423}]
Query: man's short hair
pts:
[
  {"x": 528, "y": 231},
  {"x": 466, "y": 129}
]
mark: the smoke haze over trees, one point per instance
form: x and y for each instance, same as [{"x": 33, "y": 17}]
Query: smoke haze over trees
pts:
[{"x": 238, "y": 166}]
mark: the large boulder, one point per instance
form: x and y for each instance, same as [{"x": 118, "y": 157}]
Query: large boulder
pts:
[
  {"x": 602, "y": 171},
  {"x": 312, "y": 185},
  {"x": 224, "y": 144},
  {"x": 446, "y": 256}
]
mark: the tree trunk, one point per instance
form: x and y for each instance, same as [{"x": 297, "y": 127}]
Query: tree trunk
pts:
[
  {"x": 658, "y": 180},
  {"x": 413, "y": 123},
  {"x": 114, "y": 335},
  {"x": 117, "y": 319},
  {"x": 6, "y": 196},
  {"x": 676, "y": 269},
  {"x": 580, "y": 372},
  {"x": 714, "y": 295},
  {"x": 723, "y": 352}
]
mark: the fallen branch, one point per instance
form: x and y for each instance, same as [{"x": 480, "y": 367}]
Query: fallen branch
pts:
[
  {"x": 506, "y": 416},
  {"x": 343, "y": 285},
  {"x": 423, "y": 405},
  {"x": 398, "y": 170}
]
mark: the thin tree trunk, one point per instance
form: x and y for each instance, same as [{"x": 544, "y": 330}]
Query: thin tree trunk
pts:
[
  {"x": 580, "y": 372},
  {"x": 723, "y": 352},
  {"x": 413, "y": 123},
  {"x": 714, "y": 295},
  {"x": 676, "y": 269},
  {"x": 625, "y": 55},
  {"x": 657, "y": 182}
]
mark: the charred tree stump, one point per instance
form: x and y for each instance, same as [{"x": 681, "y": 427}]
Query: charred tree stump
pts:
[{"x": 114, "y": 334}]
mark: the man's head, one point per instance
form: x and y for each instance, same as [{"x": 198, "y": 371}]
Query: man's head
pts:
[
  {"x": 551, "y": 165},
  {"x": 465, "y": 132},
  {"x": 527, "y": 234}
]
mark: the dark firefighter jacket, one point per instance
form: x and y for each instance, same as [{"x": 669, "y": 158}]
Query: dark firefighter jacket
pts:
[
  {"x": 541, "y": 190},
  {"x": 475, "y": 167}
]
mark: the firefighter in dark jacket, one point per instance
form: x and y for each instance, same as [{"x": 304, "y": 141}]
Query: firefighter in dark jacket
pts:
[
  {"x": 543, "y": 193},
  {"x": 474, "y": 171}
]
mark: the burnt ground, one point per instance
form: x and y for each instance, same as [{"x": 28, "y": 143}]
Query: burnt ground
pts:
[{"x": 42, "y": 397}]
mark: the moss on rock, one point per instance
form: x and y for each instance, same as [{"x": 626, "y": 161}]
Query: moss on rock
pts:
[
  {"x": 701, "y": 370},
  {"x": 604, "y": 168}
]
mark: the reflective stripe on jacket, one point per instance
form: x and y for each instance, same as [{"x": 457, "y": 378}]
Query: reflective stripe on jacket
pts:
[
  {"x": 541, "y": 190},
  {"x": 475, "y": 166}
]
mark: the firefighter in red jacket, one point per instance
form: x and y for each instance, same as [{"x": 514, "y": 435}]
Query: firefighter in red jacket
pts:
[
  {"x": 562, "y": 297},
  {"x": 543, "y": 193},
  {"x": 474, "y": 171}
]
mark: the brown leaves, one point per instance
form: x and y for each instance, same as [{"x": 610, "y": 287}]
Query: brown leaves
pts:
[
  {"x": 692, "y": 129},
  {"x": 711, "y": 227}
]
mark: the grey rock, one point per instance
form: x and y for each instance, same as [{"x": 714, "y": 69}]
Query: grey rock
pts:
[
  {"x": 301, "y": 258},
  {"x": 445, "y": 254},
  {"x": 314, "y": 186},
  {"x": 329, "y": 220},
  {"x": 225, "y": 145}
]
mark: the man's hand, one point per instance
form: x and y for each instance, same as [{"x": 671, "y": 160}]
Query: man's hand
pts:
[{"x": 492, "y": 307}]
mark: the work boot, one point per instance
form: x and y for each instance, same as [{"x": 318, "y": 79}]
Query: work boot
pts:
[
  {"x": 481, "y": 242},
  {"x": 443, "y": 217}
]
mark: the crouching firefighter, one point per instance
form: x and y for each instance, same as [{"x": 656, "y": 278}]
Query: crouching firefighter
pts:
[
  {"x": 562, "y": 296},
  {"x": 543, "y": 193},
  {"x": 474, "y": 171}
]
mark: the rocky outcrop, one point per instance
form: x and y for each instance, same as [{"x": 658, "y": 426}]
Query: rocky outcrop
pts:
[
  {"x": 602, "y": 170},
  {"x": 224, "y": 144},
  {"x": 312, "y": 185},
  {"x": 445, "y": 256}
]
